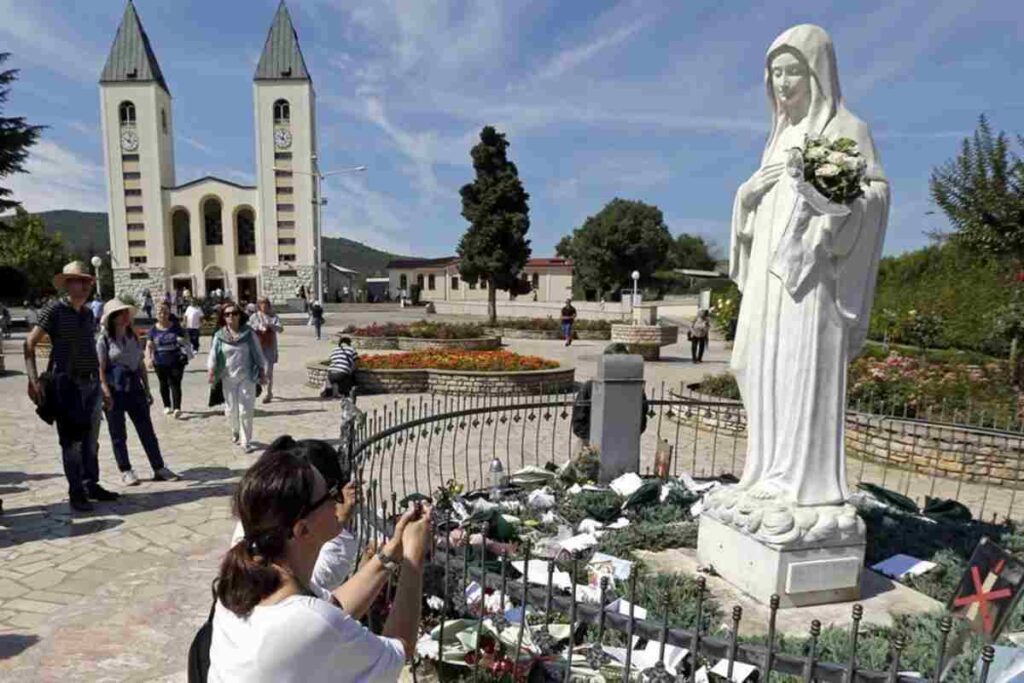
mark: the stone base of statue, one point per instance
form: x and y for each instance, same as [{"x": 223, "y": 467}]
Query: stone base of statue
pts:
[{"x": 763, "y": 546}]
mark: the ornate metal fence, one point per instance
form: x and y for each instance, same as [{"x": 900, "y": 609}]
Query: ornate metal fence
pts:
[{"x": 418, "y": 443}]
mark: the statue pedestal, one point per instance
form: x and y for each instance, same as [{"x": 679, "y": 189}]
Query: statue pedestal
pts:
[{"x": 807, "y": 556}]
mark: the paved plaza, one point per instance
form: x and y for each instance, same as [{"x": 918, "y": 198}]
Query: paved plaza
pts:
[{"x": 117, "y": 594}]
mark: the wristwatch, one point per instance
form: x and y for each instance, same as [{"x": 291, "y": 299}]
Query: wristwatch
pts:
[{"x": 391, "y": 565}]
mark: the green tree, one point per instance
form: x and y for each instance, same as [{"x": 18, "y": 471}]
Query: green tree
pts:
[
  {"x": 691, "y": 251},
  {"x": 494, "y": 248},
  {"x": 981, "y": 191},
  {"x": 624, "y": 236},
  {"x": 16, "y": 136},
  {"x": 26, "y": 246}
]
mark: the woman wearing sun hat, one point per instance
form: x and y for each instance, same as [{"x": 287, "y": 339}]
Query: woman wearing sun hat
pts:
[{"x": 125, "y": 385}]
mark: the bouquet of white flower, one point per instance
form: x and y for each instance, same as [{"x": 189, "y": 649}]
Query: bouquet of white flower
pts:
[{"x": 835, "y": 168}]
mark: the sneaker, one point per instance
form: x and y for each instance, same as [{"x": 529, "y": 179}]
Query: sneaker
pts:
[
  {"x": 235, "y": 437},
  {"x": 80, "y": 503},
  {"x": 168, "y": 411},
  {"x": 97, "y": 492},
  {"x": 164, "y": 474},
  {"x": 177, "y": 414},
  {"x": 129, "y": 478},
  {"x": 266, "y": 399}
]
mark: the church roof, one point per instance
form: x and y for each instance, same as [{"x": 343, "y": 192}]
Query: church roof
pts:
[
  {"x": 282, "y": 58},
  {"x": 131, "y": 56}
]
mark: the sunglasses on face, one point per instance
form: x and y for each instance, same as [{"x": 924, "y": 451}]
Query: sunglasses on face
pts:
[
  {"x": 333, "y": 493},
  {"x": 232, "y": 314}
]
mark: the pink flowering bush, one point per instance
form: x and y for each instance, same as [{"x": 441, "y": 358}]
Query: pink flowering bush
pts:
[{"x": 918, "y": 387}]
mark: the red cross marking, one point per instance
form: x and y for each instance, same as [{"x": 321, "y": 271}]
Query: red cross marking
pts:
[{"x": 982, "y": 598}]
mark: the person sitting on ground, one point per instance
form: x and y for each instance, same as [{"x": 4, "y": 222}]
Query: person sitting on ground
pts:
[
  {"x": 271, "y": 623},
  {"x": 341, "y": 368},
  {"x": 337, "y": 555}
]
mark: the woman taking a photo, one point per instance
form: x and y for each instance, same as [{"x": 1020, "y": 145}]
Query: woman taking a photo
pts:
[
  {"x": 267, "y": 326},
  {"x": 236, "y": 361},
  {"x": 125, "y": 386},
  {"x": 271, "y": 623},
  {"x": 165, "y": 353}
]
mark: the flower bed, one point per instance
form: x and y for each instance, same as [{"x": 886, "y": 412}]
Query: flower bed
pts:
[
  {"x": 474, "y": 361},
  {"x": 549, "y": 328},
  {"x": 422, "y": 335},
  {"x": 459, "y": 372}
]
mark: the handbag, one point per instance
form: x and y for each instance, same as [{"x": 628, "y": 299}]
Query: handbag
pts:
[{"x": 216, "y": 394}]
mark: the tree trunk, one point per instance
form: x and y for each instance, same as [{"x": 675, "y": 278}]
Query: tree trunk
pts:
[
  {"x": 1015, "y": 362},
  {"x": 492, "y": 304}
]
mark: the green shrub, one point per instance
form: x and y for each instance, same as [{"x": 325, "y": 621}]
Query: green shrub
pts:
[
  {"x": 725, "y": 310},
  {"x": 722, "y": 386}
]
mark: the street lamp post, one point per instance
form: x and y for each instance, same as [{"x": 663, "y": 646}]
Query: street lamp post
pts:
[
  {"x": 636, "y": 277},
  {"x": 318, "y": 201},
  {"x": 96, "y": 262}
]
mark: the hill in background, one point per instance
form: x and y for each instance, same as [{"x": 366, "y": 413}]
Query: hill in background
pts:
[{"x": 86, "y": 234}]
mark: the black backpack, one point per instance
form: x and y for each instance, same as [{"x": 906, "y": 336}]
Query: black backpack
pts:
[{"x": 199, "y": 651}]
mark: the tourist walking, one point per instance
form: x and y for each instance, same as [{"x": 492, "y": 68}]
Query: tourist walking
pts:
[
  {"x": 96, "y": 306},
  {"x": 568, "y": 321},
  {"x": 193, "y": 323},
  {"x": 147, "y": 304},
  {"x": 341, "y": 368},
  {"x": 272, "y": 623},
  {"x": 5, "y": 321},
  {"x": 125, "y": 385},
  {"x": 69, "y": 393},
  {"x": 316, "y": 317},
  {"x": 165, "y": 352},
  {"x": 301, "y": 293},
  {"x": 236, "y": 361},
  {"x": 267, "y": 325},
  {"x": 698, "y": 335}
]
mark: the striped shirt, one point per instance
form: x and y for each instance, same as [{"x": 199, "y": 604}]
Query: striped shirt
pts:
[
  {"x": 73, "y": 349},
  {"x": 343, "y": 359}
]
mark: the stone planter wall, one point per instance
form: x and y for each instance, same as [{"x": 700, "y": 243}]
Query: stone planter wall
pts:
[
  {"x": 418, "y": 344},
  {"x": 452, "y": 381},
  {"x": 515, "y": 333},
  {"x": 645, "y": 340},
  {"x": 930, "y": 448}
]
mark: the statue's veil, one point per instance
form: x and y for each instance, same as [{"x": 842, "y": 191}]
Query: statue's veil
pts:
[{"x": 812, "y": 45}]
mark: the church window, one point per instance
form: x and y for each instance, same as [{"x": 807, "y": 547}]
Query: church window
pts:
[
  {"x": 455, "y": 282},
  {"x": 403, "y": 281},
  {"x": 431, "y": 282},
  {"x": 137, "y": 260},
  {"x": 282, "y": 111},
  {"x": 212, "y": 223},
  {"x": 287, "y": 257},
  {"x": 536, "y": 281},
  {"x": 127, "y": 113},
  {"x": 182, "y": 233},
  {"x": 245, "y": 225},
  {"x": 140, "y": 244},
  {"x": 163, "y": 119}
]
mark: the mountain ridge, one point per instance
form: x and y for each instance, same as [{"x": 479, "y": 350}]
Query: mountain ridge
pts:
[{"x": 86, "y": 232}]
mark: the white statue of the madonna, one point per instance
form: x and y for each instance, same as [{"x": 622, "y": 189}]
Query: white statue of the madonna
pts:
[{"x": 806, "y": 267}]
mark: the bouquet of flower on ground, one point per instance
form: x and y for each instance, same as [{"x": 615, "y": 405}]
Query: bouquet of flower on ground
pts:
[{"x": 835, "y": 168}]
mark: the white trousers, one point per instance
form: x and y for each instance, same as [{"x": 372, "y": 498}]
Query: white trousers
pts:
[{"x": 240, "y": 399}]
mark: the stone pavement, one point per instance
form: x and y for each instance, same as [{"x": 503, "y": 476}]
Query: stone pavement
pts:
[{"x": 117, "y": 594}]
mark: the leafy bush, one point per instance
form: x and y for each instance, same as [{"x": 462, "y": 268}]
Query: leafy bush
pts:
[
  {"x": 725, "y": 310},
  {"x": 723, "y": 386},
  {"x": 422, "y": 329},
  {"x": 473, "y": 361},
  {"x": 552, "y": 324}
]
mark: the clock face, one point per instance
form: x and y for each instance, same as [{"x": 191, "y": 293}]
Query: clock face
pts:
[
  {"x": 129, "y": 140},
  {"x": 282, "y": 138}
]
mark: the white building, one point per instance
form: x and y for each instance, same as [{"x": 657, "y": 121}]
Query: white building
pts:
[
  {"x": 439, "y": 280},
  {"x": 209, "y": 233}
]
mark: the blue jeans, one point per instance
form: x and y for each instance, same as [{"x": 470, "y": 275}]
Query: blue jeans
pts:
[
  {"x": 566, "y": 330},
  {"x": 134, "y": 404},
  {"x": 193, "y": 336},
  {"x": 79, "y": 455}
]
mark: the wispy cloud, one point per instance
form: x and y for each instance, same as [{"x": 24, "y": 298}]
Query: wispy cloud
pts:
[
  {"x": 58, "y": 178},
  {"x": 195, "y": 144},
  {"x": 569, "y": 59},
  {"x": 35, "y": 34}
]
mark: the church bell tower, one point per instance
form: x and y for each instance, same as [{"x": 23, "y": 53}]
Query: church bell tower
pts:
[{"x": 285, "y": 111}]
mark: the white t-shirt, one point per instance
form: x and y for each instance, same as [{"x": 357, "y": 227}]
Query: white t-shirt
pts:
[
  {"x": 302, "y": 639},
  {"x": 193, "y": 318},
  {"x": 332, "y": 565}
]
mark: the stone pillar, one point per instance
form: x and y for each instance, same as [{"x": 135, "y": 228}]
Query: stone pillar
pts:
[{"x": 615, "y": 412}]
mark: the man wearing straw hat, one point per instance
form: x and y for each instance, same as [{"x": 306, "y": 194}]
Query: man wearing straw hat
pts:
[{"x": 71, "y": 395}]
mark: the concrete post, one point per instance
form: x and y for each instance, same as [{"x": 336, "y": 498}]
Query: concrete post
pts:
[{"x": 615, "y": 412}]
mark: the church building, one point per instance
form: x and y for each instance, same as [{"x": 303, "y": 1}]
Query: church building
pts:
[{"x": 209, "y": 233}]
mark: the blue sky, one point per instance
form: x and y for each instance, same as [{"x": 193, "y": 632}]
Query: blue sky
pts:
[{"x": 657, "y": 101}]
